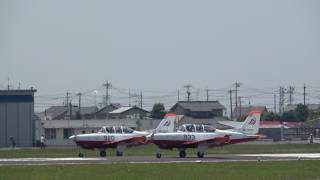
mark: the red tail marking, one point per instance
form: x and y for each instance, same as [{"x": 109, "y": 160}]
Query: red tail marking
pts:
[
  {"x": 170, "y": 114},
  {"x": 254, "y": 112}
]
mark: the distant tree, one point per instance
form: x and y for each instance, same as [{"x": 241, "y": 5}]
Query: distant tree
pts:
[
  {"x": 302, "y": 112},
  {"x": 289, "y": 116},
  {"x": 158, "y": 111},
  {"x": 315, "y": 114},
  {"x": 270, "y": 116}
]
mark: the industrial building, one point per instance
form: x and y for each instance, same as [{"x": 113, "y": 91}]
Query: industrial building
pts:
[
  {"x": 16, "y": 118},
  {"x": 199, "y": 109}
]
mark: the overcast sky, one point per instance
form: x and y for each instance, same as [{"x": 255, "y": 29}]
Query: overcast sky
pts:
[{"x": 158, "y": 45}]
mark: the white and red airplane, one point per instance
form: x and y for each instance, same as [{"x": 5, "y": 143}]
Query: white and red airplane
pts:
[
  {"x": 118, "y": 137},
  {"x": 203, "y": 137}
]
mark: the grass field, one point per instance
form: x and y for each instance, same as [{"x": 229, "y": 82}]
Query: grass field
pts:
[
  {"x": 290, "y": 170},
  {"x": 151, "y": 150}
]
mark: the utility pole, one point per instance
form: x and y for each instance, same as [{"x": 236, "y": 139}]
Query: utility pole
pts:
[
  {"x": 240, "y": 106},
  {"x": 231, "y": 114},
  {"x": 79, "y": 108},
  {"x": 129, "y": 98},
  {"x": 291, "y": 90},
  {"x": 281, "y": 100},
  {"x": 95, "y": 97},
  {"x": 207, "y": 94},
  {"x": 178, "y": 95},
  {"x": 304, "y": 94},
  {"x": 141, "y": 99},
  {"x": 275, "y": 103},
  {"x": 70, "y": 110},
  {"x": 236, "y": 93},
  {"x": 188, "y": 92},
  {"x": 67, "y": 103},
  {"x": 108, "y": 86}
]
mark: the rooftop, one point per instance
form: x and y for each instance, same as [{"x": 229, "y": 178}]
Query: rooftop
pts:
[
  {"x": 120, "y": 110},
  {"x": 55, "y": 111},
  {"x": 200, "y": 105},
  {"x": 30, "y": 91}
]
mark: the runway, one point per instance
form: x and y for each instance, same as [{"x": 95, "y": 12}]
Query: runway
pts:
[{"x": 165, "y": 159}]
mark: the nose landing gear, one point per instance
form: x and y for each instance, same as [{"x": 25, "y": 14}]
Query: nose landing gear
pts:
[
  {"x": 103, "y": 153},
  {"x": 119, "y": 153}
]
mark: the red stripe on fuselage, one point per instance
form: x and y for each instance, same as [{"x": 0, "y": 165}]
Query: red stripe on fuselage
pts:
[
  {"x": 167, "y": 144},
  {"x": 96, "y": 144},
  {"x": 109, "y": 144}
]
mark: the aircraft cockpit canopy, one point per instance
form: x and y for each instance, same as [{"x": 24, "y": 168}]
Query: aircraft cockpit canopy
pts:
[
  {"x": 196, "y": 128},
  {"x": 208, "y": 128},
  {"x": 116, "y": 130}
]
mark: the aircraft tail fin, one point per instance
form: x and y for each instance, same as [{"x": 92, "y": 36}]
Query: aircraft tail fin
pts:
[
  {"x": 251, "y": 124},
  {"x": 167, "y": 124}
]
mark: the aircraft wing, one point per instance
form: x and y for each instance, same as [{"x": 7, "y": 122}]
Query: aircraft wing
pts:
[
  {"x": 130, "y": 140},
  {"x": 110, "y": 142},
  {"x": 216, "y": 140},
  {"x": 231, "y": 124}
]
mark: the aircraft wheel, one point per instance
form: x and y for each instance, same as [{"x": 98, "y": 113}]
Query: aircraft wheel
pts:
[
  {"x": 119, "y": 153},
  {"x": 81, "y": 154},
  {"x": 200, "y": 154},
  {"x": 182, "y": 154},
  {"x": 103, "y": 153},
  {"x": 158, "y": 155}
]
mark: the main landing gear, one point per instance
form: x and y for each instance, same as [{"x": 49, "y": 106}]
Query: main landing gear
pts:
[
  {"x": 81, "y": 154},
  {"x": 182, "y": 154},
  {"x": 200, "y": 154}
]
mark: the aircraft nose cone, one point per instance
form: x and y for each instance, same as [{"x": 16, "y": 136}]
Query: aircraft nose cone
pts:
[{"x": 73, "y": 137}]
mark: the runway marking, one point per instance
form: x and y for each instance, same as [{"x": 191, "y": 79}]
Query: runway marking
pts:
[
  {"x": 147, "y": 162},
  {"x": 153, "y": 160},
  {"x": 292, "y": 155},
  {"x": 50, "y": 159}
]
